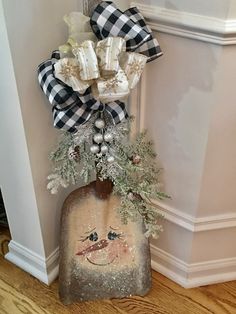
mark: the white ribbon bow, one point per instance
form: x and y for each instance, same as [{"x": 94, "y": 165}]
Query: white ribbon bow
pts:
[{"x": 106, "y": 67}]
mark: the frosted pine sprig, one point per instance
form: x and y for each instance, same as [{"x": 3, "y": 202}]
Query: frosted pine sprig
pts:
[{"x": 56, "y": 181}]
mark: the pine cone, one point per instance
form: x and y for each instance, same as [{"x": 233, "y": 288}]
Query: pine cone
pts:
[
  {"x": 136, "y": 159},
  {"x": 74, "y": 153}
]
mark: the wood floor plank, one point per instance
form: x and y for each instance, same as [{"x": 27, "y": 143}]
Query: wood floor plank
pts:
[
  {"x": 47, "y": 297},
  {"x": 11, "y": 301},
  {"x": 201, "y": 300}
]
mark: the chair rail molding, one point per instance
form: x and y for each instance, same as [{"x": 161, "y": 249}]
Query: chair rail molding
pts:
[
  {"x": 199, "y": 27},
  {"x": 196, "y": 224}
]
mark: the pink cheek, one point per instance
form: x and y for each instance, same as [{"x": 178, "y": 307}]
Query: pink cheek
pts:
[
  {"x": 117, "y": 249},
  {"x": 125, "y": 250}
]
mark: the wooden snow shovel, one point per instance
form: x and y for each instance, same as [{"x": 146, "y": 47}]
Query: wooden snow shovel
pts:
[{"x": 100, "y": 258}]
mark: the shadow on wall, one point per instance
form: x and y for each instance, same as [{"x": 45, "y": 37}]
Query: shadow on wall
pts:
[
  {"x": 179, "y": 106},
  {"x": 3, "y": 216}
]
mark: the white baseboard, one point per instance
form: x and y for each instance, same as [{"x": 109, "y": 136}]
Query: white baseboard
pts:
[
  {"x": 194, "y": 274},
  {"x": 46, "y": 270},
  {"x": 187, "y": 275}
]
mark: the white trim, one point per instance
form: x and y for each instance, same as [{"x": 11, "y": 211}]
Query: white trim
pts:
[
  {"x": 193, "y": 224},
  {"x": 193, "y": 274},
  {"x": 46, "y": 270},
  {"x": 185, "y": 24}
]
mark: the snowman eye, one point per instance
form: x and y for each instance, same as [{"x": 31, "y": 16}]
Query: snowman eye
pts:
[
  {"x": 93, "y": 236},
  {"x": 113, "y": 235}
]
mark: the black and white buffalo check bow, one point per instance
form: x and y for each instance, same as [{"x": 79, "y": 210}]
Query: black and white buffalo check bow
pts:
[
  {"x": 71, "y": 109},
  {"x": 106, "y": 20},
  {"x": 151, "y": 47}
]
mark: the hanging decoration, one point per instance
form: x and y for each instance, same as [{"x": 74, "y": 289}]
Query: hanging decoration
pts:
[{"x": 87, "y": 82}]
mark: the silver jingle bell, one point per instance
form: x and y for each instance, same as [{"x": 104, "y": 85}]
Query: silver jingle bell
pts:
[
  {"x": 94, "y": 149},
  {"x": 99, "y": 123},
  {"x": 108, "y": 137},
  {"x": 104, "y": 149},
  {"x": 98, "y": 138},
  {"x": 110, "y": 159}
]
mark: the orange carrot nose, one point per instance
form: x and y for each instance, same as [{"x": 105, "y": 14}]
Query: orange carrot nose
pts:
[{"x": 97, "y": 246}]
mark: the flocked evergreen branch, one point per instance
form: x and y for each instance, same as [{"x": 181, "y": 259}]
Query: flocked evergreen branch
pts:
[
  {"x": 134, "y": 171},
  {"x": 137, "y": 183}
]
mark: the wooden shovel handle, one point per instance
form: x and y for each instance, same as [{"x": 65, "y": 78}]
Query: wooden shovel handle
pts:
[
  {"x": 103, "y": 188},
  {"x": 89, "y": 5}
]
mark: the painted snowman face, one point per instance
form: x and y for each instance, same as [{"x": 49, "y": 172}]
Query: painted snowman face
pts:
[
  {"x": 100, "y": 257},
  {"x": 100, "y": 239},
  {"x": 110, "y": 246}
]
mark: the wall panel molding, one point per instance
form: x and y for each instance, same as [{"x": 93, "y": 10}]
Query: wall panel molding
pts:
[
  {"x": 196, "y": 224},
  {"x": 184, "y": 24}
]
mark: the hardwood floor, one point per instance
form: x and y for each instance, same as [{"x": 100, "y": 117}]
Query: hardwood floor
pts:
[{"x": 21, "y": 293}]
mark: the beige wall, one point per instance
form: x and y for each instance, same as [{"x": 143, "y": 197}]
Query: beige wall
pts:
[
  {"x": 178, "y": 111},
  {"x": 15, "y": 172},
  {"x": 190, "y": 113},
  {"x": 219, "y": 179}
]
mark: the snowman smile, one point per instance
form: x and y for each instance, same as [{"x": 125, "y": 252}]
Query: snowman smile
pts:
[
  {"x": 100, "y": 264},
  {"x": 97, "y": 247}
]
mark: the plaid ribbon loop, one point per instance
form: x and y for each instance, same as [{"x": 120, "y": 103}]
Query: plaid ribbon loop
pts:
[
  {"x": 70, "y": 108},
  {"x": 106, "y": 20}
]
